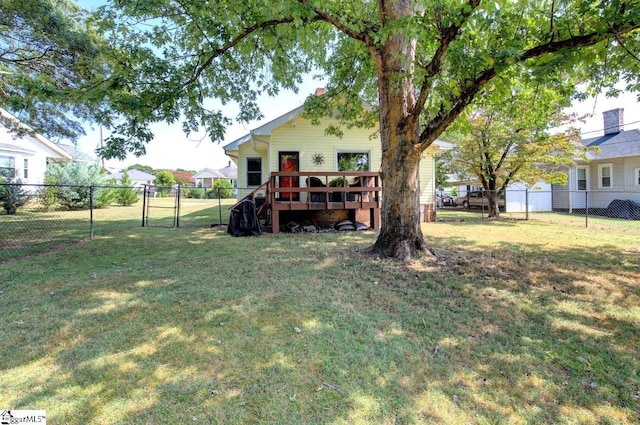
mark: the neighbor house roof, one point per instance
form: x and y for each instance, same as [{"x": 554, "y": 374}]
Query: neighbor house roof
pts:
[
  {"x": 134, "y": 175},
  {"x": 15, "y": 148},
  {"x": 208, "y": 173},
  {"x": 230, "y": 171},
  {"x": 76, "y": 154},
  {"x": 62, "y": 154},
  {"x": 616, "y": 145}
]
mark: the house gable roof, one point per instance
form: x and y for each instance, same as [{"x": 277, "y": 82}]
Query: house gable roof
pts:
[
  {"x": 262, "y": 132},
  {"x": 617, "y": 145},
  {"x": 208, "y": 173}
]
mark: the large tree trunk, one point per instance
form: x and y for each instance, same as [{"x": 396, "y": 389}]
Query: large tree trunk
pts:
[
  {"x": 494, "y": 206},
  {"x": 400, "y": 234}
]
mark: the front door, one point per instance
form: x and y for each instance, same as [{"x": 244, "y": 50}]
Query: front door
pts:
[{"x": 289, "y": 161}]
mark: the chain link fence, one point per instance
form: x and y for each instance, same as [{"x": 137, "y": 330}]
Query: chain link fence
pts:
[
  {"x": 593, "y": 208},
  {"x": 37, "y": 218}
]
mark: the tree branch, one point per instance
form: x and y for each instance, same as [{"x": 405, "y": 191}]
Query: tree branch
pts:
[
  {"x": 442, "y": 120},
  {"x": 338, "y": 24},
  {"x": 240, "y": 37},
  {"x": 578, "y": 41},
  {"x": 447, "y": 36}
]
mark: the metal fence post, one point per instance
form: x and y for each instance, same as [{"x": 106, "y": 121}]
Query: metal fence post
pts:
[
  {"x": 91, "y": 212},
  {"x": 178, "y": 205},
  {"x": 144, "y": 202},
  {"x": 586, "y": 208},
  {"x": 219, "y": 207}
]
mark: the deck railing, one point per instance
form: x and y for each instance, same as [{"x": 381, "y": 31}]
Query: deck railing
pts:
[{"x": 347, "y": 190}]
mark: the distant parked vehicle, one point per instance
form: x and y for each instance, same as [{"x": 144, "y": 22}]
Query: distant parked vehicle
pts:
[
  {"x": 477, "y": 199},
  {"x": 445, "y": 201}
]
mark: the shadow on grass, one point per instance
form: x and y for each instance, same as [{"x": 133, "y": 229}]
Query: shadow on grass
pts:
[{"x": 159, "y": 326}]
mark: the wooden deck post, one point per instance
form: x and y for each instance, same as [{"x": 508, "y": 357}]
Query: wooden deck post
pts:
[
  {"x": 375, "y": 219},
  {"x": 275, "y": 221}
]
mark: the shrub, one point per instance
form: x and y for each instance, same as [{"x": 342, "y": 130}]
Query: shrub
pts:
[
  {"x": 195, "y": 193},
  {"x": 222, "y": 188},
  {"x": 127, "y": 195},
  {"x": 13, "y": 196},
  {"x": 164, "y": 181},
  {"x": 74, "y": 191}
]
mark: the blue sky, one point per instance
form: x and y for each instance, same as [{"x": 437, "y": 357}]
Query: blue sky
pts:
[{"x": 171, "y": 148}]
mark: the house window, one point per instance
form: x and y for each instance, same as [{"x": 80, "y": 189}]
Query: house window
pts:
[
  {"x": 354, "y": 161},
  {"x": 7, "y": 167},
  {"x": 605, "y": 176},
  {"x": 583, "y": 178},
  {"x": 637, "y": 176},
  {"x": 254, "y": 171},
  {"x": 26, "y": 168}
]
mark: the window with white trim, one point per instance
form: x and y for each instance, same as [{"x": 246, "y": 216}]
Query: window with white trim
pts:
[
  {"x": 26, "y": 168},
  {"x": 352, "y": 160},
  {"x": 637, "y": 177},
  {"x": 254, "y": 171},
  {"x": 7, "y": 167},
  {"x": 605, "y": 176},
  {"x": 582, "y": 174}
]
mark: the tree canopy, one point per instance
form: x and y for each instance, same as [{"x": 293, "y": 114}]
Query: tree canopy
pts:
[
  {"x": 517, "y": 134},
  {"x": 419, "y": 63},
  {"x": 50, "y": 58}
]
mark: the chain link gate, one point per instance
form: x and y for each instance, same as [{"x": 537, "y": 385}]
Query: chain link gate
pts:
[{"x": 161, "y": 206}]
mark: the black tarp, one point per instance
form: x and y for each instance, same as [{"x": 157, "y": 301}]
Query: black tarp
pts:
[
  {"x": 243, "y": 220},
  {"x": 623, "y": 208}
]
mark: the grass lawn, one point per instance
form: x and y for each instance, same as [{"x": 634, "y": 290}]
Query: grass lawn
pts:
[
  {"x": 33, "y": 230},
  {"x": 516, "y": 323}
]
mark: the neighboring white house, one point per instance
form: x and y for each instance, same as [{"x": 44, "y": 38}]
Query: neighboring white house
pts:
[
  {"x": 612, "y": 172},
  {"x": 207, "y": 177},
  {"x": 26, "y": 157},
  {"x": 517, "y": 195},
  {"x": 138, "y": 178}
]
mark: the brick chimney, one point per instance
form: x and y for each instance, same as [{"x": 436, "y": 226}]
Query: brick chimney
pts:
[
  {"x": 613, "y": 121},
  {"x": 319, "y": 91}
]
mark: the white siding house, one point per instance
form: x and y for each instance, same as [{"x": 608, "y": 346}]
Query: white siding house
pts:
[
  {"x": 612, "y": 172},
  {"x": 26, "y": 157}
]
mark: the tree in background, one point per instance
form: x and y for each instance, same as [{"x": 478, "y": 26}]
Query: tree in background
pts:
[
  {"x": 127, "y": 194},
  {"x": 506, "y": 138},
  {"x": 140, "y": 167},
  {"x": 164, "y": 181},
  {"x": 183, "y": 177},
  {"x": 420, "y": 64},
  {"x": 74, "y": 184},
  {"x": 50, "y": 61}
]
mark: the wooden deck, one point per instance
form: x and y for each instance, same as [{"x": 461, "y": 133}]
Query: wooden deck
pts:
[{"x": 355, "y": 192}]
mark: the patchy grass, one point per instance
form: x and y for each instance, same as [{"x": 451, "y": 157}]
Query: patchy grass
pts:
[{"x": 517, "y": 322}]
